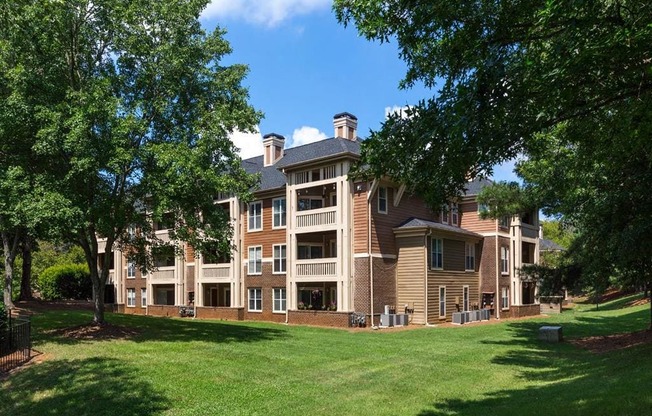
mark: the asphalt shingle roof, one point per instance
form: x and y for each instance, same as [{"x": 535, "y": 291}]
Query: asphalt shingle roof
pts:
[
  {"x": 418, "y": 223},
  {"x": 476, "y": 185},
  {"x": 549, "y": 245},
  {"x": 271, "y": 177}
]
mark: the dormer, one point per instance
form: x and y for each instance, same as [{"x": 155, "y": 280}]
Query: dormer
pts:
[
  {"x": 273, "y": 145},
  {"x": 346, "y": 126}
]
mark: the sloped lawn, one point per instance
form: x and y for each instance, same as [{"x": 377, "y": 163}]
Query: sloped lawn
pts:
[{"x": 152, "y": 366}]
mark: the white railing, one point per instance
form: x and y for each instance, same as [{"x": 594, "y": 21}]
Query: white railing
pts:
[
  {"x": 163, "y": 274},
  {"x": 316, "y": 267},
  {"x": 217, "y": 270},
  {"x": 316, "y": 217}
]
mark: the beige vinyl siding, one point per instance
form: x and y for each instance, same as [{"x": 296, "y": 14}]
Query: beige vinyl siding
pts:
[
  {"x": 453, "y": 255},
  {"x": 360, "y": 223},
  {"x": 410, "y": 275},
  {"x": 470, "y": 219},
  {"x": 454, "y": 282}
]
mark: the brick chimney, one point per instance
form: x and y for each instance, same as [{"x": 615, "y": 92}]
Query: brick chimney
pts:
[
  {"x": 273, "y": 145},
  {"x": 346, "y": 126}
]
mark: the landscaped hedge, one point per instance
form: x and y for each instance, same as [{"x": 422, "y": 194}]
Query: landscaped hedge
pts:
[{"x": 66, "y": 281}]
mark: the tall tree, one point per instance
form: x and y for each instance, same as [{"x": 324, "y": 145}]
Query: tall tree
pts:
[{"x": 133, "y": 112}]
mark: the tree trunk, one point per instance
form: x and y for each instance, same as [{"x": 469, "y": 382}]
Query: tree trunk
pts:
[
  {"x": 99, "y": 275},
  {"x": 10, "y": 247},
  {"x": 98, "y": 301},
  {"x": 26, "y": 278}
]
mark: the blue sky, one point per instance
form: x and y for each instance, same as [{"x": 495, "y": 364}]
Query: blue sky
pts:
[{"x": 305, "y": 67}]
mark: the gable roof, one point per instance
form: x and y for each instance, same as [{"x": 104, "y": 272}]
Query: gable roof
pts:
[
  {"x": 549, "y": 245},
  {"x": 271, "y": 177},
  {"x": 476, "y": 185},
  {"x": 419, "y": 223}
]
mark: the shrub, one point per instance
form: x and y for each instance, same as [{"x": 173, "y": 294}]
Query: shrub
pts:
[
  {"x": 4, "y": 322},
  {"x": 66, "y": 281}
]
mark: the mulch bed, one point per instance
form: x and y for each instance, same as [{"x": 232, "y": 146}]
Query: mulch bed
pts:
[{"x": 607, "y": 343}]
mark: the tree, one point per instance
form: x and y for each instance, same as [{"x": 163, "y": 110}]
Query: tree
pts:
[
  {"x": 132, "y": 111},
  {"x": 567, "y": 85}
]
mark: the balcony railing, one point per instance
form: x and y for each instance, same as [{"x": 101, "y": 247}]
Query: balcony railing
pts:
[
  {"x": 163, "y": 273},
  {"x": 216, "y": 271},
  {"x": 316, "y": 267},
  {"x": 316, "y": 217}
]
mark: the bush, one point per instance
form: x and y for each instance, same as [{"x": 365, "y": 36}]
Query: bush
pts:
[
  {"x": 66, "y": 281},
  {"x": 4, "y": 322}
]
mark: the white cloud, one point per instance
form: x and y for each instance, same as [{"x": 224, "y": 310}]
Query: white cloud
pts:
[
  {"x": 250, "y": 144},
  {"x": 265, "y": 12},
  {"x": 396, "y": 110},
  {"x": 305, "y": 135}
]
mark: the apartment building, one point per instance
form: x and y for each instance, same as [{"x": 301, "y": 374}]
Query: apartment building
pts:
[{"x": 316, "y": 246}]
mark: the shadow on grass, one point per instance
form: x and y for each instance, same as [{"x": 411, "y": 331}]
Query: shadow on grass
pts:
[
  {"x": 615, "y": 304},
  {"x": 148, "y": 328},
  {"x": 92, "y": 386},
  {"x": 562, "y": 379}
]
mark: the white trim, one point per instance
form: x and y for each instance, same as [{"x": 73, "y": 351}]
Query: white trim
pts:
[
  {"x": 372, "y": 189},
  {"x": 466, "y": 300},
  {"x": 399, "y": 195},
  {"x": 274, "y": 258},
  {"x": 131, "y": 290},
  {"x": 274, "y": 299},
  {"x": 386, "y": 198},
  {"x": 249, "y": 229},
  {"x": 469, "y": 254},
  {"x": 260, "y": 289},
  {"x": 432, "y": 245},
  {"x": 440, "y": 302},
  {"x": 143, "y": 304},
  {"x": 285, "y": 212},
  {"x": 249, "y": 248}
]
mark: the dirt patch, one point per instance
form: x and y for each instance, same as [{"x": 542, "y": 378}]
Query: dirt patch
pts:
[
  {"x": 638, "y": 302},
  {"x": 607, "y": 343},
  {"x": 95, "y": 332}
]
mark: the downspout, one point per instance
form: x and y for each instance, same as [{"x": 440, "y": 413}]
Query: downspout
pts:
[
  {"x": 371, "y": 259},
  {"x": 497, "y": 305}
]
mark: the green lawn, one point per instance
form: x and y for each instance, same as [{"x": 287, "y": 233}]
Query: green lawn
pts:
[{"x": 186, "y": 367}]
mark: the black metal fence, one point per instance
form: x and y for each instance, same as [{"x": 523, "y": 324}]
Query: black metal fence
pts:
[{"x": 15, "y": 342}]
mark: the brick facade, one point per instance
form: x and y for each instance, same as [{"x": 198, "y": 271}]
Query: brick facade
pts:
[
  {"x": 266, "y": 281},
  {"x": 321, "y": 318},
  {"x": 223, "y": 313}
]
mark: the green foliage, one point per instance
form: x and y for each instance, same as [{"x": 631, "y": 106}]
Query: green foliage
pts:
[
  {"x": 4, "y": 321},
  {"x": 66, "y": 281},
  {"x": 51, "y": 254},
  {"x": 128, "y": 104},
  {"x": 504, "y": 198}
]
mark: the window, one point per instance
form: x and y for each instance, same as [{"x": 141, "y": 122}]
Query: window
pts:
[
  {"x": 444, "y": 214},
  {"x": 382, "y": 200},
  {"x": 305, "y": 204},
  {"x": 131, "y": 233},
  {"x": 306, "y": 251},
  {"x": 279, "y": 299},
  {"x": 442, "y": 301},
  {"x": 255, "y": 300},
  {"x": 465, "y": 298},
  {"x": 255, "y": 216},
  {"x": 278, "y": 213},
  {"x": 469, "y": 263},
  {"x": 131, "y": 269},
  {"x": 131, "y": 298},
  {"x": 255, "y": 260},
  {"x": 143, "y": 297},
  {"x": 454, "y": 215},
  {"x": 483, "y": 208},
  {"x": 437, "y": 253},
  {"x": 504, "y": 260},
  {"x": 504, "y": 221},
  {"x": 280, "y": 262},
  {"x": 504, "y": 298}
]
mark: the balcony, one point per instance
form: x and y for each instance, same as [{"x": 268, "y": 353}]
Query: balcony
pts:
[
  {"x": 220, "y": 271},
  {"x": 316, "y": 218},
  {"x": 163, "y": 273},
  {"x": 313, "y": 268}
]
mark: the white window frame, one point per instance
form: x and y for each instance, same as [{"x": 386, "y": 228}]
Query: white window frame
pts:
[
  {"x": 434, "y": 264},
  {"x": 504, "y": 297},
  {"x": 252, "y": 225},
  {"x": 279, "y": 297},
  {"x": 469, "y": 254},
  {"x": 444, "y": 214},
  {"x": 143, "y": 297},
  {"x": 384, "y": 198},
  {"x": 254, "y": 260},
  {"x": 465, "y": 298},
  {"x": 280, "y": 216},
  {"x": 131, "y": 269},
  {"x": 442, "y": 301},
  {"x": 504, "y": 260},
  {"x": 257, "y": 293},
  {"x": 455, "y": 215},
  {"x": 282, "y": 249},
  {"x": 131, "y": 297}
]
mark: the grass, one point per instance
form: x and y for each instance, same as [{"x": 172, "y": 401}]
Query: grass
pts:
[{"x": 185, "y": 367}]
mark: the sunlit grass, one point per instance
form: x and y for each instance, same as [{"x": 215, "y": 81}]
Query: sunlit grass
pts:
[{"x": 186, "y": 367}]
